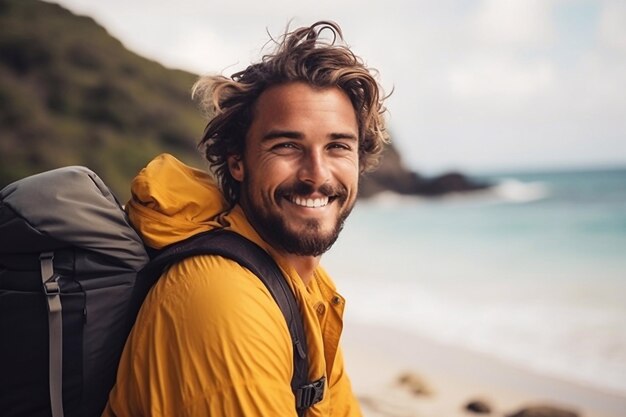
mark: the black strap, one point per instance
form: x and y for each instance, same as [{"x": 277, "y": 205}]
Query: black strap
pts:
[
  {"x": 249, "y": 255},
  {"x": 309, "y": 394}
]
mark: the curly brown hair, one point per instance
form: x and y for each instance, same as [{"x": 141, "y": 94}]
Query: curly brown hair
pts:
[{"x": 300, "y": 55}]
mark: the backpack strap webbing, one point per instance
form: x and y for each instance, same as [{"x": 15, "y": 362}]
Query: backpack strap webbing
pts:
[
  {"x": 249, "y": 255},
  {"x": 55, "y": 332}
]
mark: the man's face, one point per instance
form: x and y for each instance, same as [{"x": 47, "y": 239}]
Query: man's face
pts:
[{"x": 300, "y": 168}]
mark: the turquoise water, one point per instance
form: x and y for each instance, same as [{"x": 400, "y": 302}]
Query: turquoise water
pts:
[{"x": 533, "y": 271}]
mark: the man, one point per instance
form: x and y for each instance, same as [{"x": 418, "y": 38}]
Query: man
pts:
[{"x": 288, "y": 140}]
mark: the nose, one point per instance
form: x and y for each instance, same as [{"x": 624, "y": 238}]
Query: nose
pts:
[{"x": 314, "y": 168}]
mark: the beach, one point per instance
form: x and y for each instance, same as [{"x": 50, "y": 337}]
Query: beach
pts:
[
  {"x": 515, "y": 297},
  {"x": 395, "y": 374}
]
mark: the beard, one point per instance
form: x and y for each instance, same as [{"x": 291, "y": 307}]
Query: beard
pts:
[{"x": 308, "y": 239}]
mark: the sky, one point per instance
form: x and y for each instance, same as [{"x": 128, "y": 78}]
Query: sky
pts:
[{"x": 478, "y": 85}]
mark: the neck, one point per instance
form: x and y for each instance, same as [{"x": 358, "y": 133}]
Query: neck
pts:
[{"x": 304, "y": 265}]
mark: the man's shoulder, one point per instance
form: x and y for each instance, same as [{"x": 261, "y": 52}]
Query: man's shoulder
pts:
[
  {"x": 214, "y": 287},
  {"x": 212, "y": 273}
]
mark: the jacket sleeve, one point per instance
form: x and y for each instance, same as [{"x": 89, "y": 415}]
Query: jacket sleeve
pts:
[
  {"x": 209, "y": 341},
  {"x": 344, "y": 403}
]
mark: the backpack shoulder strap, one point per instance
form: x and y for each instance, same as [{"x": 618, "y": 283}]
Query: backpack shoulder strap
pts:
[{"x": 249, "y": 255}]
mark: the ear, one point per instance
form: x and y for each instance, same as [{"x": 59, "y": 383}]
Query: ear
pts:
[{"x": 235, "y": 167}]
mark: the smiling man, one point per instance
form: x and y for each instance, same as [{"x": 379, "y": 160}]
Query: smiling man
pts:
[
  {"x": 287, "y": 142},
  {"x": 299, "y": 170}
]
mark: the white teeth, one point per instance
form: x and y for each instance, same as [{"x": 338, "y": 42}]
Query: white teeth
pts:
[{"x": 310, "y": 202}]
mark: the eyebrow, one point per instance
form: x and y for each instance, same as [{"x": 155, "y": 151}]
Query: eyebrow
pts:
[
  {"x": 274, "y": 134},
  {"x": 292, "y": 134}
]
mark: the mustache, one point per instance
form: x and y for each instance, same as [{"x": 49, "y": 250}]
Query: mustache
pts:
[{"x": 304, "y": 188}]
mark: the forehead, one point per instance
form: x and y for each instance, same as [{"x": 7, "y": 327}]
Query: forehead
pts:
[{"x": 298, "y": 102}]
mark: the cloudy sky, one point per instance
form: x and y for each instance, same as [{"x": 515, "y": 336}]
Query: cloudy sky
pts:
[{"x": 479, "y": 85}]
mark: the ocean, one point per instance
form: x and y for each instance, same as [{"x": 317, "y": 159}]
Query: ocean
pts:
[{"x": 532, "y": 271}]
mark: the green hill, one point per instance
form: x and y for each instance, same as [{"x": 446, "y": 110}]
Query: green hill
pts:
[{"x": 72, "y": 94}]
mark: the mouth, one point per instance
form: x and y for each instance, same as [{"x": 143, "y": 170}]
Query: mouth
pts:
[
  {"x": 310, "y": 202},
  {"x": 306, "y": 196}
]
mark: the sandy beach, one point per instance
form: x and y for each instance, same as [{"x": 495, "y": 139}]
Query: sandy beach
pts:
[{"x": 401, "y": 375}]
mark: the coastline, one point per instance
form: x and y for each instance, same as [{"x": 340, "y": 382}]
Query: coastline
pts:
[{"x": 398, "y": 374}]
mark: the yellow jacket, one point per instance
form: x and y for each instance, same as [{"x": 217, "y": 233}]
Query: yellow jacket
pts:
[{"x": 209, "y": 339}]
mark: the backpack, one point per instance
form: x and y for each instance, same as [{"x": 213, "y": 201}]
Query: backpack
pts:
[{"x": 73, "y": 275}]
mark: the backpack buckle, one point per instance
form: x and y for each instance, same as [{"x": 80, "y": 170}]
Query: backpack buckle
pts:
[
  {"x": 49, "y": 278},
  {"x": 50, "y": 282},
  {"x": 51, "y": 288},
  {"x": 310, "y": 394}
]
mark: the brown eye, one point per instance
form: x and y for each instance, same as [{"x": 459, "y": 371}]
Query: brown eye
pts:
[
  {"x": 338, "y": 146},
  {"x": 284, "y": 147}
]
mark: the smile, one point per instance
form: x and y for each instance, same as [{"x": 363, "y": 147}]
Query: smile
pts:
[{"x": 310, "y": 202}]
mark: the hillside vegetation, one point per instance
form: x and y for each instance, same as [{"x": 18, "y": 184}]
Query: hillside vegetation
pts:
[{"x": 72, "y": 94}]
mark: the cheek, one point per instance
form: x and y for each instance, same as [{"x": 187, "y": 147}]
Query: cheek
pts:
[
  {"x": 355, "y": 175},
  {"x": 277, "y": 170},
  {"x": 267, "y": 177},
  {"x": 348, "y": 170}
]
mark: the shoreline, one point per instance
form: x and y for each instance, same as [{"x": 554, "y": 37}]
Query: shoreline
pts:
[{"x": 439, "y": 380}]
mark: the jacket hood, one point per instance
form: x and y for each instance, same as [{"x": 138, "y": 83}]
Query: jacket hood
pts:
[{"x": 171, "y": 201}]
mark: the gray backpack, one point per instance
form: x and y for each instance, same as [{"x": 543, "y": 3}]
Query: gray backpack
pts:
[{"x": 73, "y": 275}]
